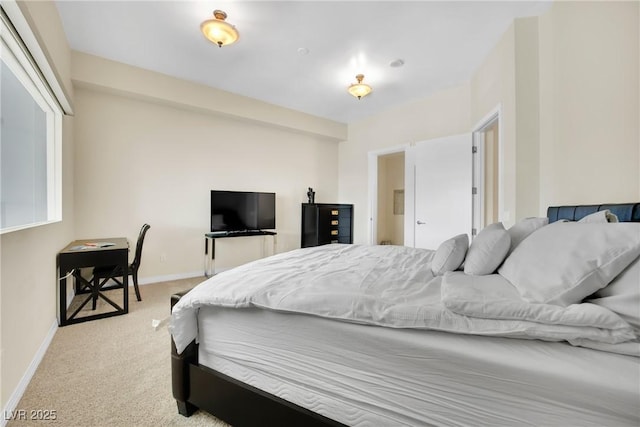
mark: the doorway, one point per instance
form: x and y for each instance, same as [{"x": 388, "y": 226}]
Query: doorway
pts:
[
  {"x": 420, "y": 193},
  {"x": 487, "y": 172},
  {"x": 390, "y": 205}
]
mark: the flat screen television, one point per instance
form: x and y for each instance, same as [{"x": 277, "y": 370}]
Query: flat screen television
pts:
[{"x": 242, "y": 211}]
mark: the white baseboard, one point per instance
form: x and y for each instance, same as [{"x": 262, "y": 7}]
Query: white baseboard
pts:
[
  {"x": 156, "y": 279},
  {"x": 17, "y": 394},
  {"x": 13, "y": 401}
]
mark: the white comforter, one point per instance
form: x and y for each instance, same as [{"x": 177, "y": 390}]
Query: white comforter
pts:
[{"x": 393, "y": 286}]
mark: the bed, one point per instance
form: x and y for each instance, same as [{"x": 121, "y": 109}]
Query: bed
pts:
[{"x": 462, "y": 335}]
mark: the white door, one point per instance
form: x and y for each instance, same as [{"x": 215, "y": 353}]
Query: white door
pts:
[{"x": 438, "y": 175}]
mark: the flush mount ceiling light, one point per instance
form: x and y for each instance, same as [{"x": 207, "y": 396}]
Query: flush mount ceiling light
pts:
[
  {"x": 218, "y": 30},
  {"x": 359, "y": 89}
]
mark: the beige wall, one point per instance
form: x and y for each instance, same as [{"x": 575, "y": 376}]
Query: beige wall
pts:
[
  {"x": 527, "y": 118},
  {"x": 141, "y": 161},
  {"x": 567, "y": 85},
  {"x": 494, "y": 86},
  {"x": 126, "y": 80},
  {"x": 444, "y": 113},
  {"x": 28, "y": 257},
  {"x": 149, "y": 148},
  {"x": 508, "y": 79},
  {"x": 589, "y": 95}
]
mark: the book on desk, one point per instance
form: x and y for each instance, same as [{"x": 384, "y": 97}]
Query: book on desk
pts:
[{"x": 91, "y": 245}]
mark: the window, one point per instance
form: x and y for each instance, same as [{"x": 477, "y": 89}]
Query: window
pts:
[{"x": 30, "y": 139}]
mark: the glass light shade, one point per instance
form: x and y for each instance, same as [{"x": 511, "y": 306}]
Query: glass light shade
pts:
[
  {"x": 218, "y": 31},
  {"x": 359, "y": 89}
]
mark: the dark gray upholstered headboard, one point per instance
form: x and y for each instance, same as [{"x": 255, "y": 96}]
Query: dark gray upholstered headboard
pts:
[{"x": 626, "y": 212}]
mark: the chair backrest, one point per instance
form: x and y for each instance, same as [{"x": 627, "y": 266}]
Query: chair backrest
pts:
[{"x": 138, "y": 257}]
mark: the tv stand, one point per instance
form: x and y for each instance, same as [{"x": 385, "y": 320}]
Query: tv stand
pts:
[{"x": 210, "y": 245}]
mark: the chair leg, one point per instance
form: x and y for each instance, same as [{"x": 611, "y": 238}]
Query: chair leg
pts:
[
  {"x": 134, "y": 274},
  {"x": 94, "y": 292}
]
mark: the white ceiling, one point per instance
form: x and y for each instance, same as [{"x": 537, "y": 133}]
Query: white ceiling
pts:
[{"x": 441, "y": 43}]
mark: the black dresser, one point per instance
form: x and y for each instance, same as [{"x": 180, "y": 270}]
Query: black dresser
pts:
[{"x": 324, "y": 223}]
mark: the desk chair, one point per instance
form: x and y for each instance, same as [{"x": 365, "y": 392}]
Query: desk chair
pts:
[{"x": 114, "y": 273}]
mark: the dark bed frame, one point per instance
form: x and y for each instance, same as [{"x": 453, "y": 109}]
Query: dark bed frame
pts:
[
  {"x": 198, "y": 387},
  {"x": 239, "y": 404}
]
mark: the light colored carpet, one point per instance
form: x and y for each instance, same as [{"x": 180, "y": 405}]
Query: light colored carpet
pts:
[{"x": 114, "y": 371}]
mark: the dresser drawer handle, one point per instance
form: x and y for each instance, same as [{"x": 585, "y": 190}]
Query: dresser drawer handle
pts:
[
  {"x": 334, "y": 232},
  {"x": 335, "y": 212},
  {"x": 334, "y": 222}
]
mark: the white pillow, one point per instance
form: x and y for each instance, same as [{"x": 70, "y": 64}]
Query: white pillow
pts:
[
  {"x": 450, "y": 254},
  {"x": 600, "y": 216},
  {"x": 520, "y": 230},
  {"x": 565, "y": 262},
  {"x": 622, "y": 295},
  {"x": 487, "y": 250}
]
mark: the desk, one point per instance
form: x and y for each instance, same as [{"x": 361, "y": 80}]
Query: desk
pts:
[
  {"x": 71, "y": 259},
  {"x": 210, "y": 246}
]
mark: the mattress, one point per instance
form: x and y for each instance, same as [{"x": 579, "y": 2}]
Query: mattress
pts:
[
  {"x": 395, "y": 287},
  {"x": 371, "y": 375}
]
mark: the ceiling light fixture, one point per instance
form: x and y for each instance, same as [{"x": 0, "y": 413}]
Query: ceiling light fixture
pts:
[
  {"x": 218, "y": 30},
  {"x": 359, "y": 89}
]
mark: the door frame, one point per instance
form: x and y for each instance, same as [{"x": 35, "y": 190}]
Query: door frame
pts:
[
  {"x": 478, "y": 167},
  {"x": 373, "y": 187}
]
